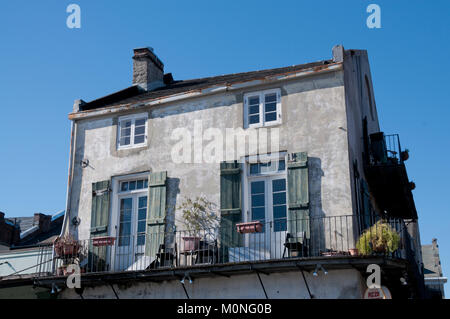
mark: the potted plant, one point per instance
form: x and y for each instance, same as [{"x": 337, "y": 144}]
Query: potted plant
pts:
[
  {"x": 200, "y": 220},
  {"x": 378, "y": 239},
  {"x": 66, "y": 246},
  {"x": 404, "y": 155}
]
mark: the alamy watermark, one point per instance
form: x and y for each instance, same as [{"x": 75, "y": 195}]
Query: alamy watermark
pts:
[
  {"x": 374, "y": 19},
  {"x": 74, "y": 19},
  {"x": 215, "y": 145}
]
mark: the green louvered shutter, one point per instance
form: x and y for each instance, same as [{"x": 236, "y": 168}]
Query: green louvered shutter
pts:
[
  {"x": 156, "y": 212},
  {"x": 230, "y": 206},
  {"x": 99, "y": 224},
  {"x": 298, "y": 196}
]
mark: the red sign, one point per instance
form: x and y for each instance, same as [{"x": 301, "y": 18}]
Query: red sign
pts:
[
  {"x": 103, "y": 241},
  {"x": 378, "y": 293}
]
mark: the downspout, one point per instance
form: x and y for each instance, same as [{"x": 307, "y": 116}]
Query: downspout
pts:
[{"x": 73, "y": 131}]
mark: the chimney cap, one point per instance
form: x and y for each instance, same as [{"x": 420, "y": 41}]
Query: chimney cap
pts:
[{"x": 149, "y": 53}]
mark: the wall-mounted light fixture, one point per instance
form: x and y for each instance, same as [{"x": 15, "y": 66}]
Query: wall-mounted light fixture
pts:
[
  {"x": 84, "y": 163},
  {"x": 186, "y": 276},
  {"x": 319, "y": 267}
]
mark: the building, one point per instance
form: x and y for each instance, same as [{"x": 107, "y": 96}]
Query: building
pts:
[
  {"x": 21, "y": 255},
  {"x": 434, "y": 278},
  {"x": 314, "y": 175}
]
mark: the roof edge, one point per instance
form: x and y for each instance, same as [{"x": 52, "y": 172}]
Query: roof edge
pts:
[{"x": 208, "y": 90}]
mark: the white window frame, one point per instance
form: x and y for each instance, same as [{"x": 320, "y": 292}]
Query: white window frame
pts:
[
  {"x": 133, "y": 119},
  {"x": 261, "y": 95}
]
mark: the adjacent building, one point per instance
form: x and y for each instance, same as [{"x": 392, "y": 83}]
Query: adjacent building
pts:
[
  {"x": 434, "y": 278},
  {"x": 25, "y": 253}
]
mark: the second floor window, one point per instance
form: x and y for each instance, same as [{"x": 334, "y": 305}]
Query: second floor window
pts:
[
  {"x": 132, "y": 131},
  {"x": 262, "y": 108}
]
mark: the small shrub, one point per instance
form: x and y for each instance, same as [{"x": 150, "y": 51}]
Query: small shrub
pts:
[{"x": 380, "y": 238}]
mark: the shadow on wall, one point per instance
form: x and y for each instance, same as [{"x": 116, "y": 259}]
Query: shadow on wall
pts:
[
  {"x": 173, "y": 189},
  {"x": 331, "y": 232}
]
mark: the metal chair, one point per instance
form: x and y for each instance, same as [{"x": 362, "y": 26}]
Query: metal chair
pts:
[
  {"x": 295, "y": 246},
  {"x": 167, "y": 255}
]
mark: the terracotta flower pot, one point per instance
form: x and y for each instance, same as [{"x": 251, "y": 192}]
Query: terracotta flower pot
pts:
[
  {"x": 191, "y": 243},
  {"x": 353, "y": 252},
  {"x": 249, "y": 227}
]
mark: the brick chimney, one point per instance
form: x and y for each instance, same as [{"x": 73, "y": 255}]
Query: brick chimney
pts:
[
  {"x": 43, "y": 221},
  {"x": 148, "y": 70}
]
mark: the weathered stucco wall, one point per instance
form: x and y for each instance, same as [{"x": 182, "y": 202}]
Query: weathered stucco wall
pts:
[
  {"x": 337, "y": 284},
  {"x": 314, "y": 120}
]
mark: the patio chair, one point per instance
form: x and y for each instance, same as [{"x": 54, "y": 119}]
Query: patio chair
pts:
[
  {"x": 167, "y": 255},
  {"x": 295, "y": 245}
]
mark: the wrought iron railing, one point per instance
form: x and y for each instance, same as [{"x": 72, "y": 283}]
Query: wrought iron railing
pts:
[
  {"x": 275, "y": 240},
  {"x": 386, "y": 149}
]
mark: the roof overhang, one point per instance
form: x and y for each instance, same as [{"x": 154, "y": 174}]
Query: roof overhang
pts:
[{"x": 208, "y": 90}]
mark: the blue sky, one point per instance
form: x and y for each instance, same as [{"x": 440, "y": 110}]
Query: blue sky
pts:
[{"x": 44, "y": 66}]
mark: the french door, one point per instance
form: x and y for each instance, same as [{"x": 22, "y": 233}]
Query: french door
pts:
[
  {"x": 130, "y": 245},
  {"x": 267, "y": 203}
]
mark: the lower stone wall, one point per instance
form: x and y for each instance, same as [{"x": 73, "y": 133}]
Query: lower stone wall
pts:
[{"x": 337, "y": 284}]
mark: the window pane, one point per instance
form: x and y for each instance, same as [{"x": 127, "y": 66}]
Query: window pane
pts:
[
  {"x": 146, "y": 183},
  {"x": 127, "y": 203},
  {"x": 258, "y": 213},
  {"x": 272, "y": 97},
  {"x": 279, "y": 185},
  {"x": 254, "y": 119},
  {"x": 279, "y": 212},
  {"x": 279, "y": 198},
  {"x": 271, "y": 116},
  {"x": 138, "y": 139},
  {"x": 257, "y": 187},
  {"x": 132, "y": 185},
  {"x": 125, "y": 124},
  {"x": 280, "y": 225},
  {"x": 258, "y": 200},
  {"x": 141, "y": 240},
  {"x": 254, "y": 169},
  {"x": 141, "y": 227},
  {"x": 253, "y": 100},
  {"x": 254, "y": 109},
  {"x": 125, "y": 209},
  {"x": 139, "y": 130},
  {"x": 142, "y": 202},
  {"x": 125, "y": 140},
  {"x": 281, "y": 165},
  {"x": 270, "y": 107},
  {"x": 124, "y": 186},
  {"x": 140, "y": 184},
  {"x": 140, "y": 122}
]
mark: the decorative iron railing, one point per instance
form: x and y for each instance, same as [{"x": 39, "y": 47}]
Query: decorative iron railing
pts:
[{"x": 274, "y": 240}]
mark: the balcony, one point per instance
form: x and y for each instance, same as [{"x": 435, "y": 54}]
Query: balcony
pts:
[
  {"x": 278, "y": 245},
  {"x": 387, "y": 177}
]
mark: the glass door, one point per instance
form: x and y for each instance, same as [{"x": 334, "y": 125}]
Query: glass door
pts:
[
  {"x": 268, "y": 205},
  {"x": 131, "y": 232}
]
